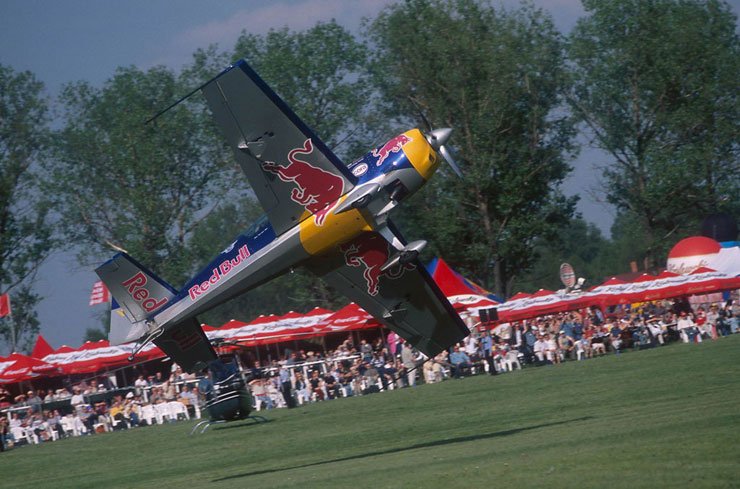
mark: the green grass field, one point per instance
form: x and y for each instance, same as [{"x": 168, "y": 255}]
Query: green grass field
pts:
[{"x": 667, "y": 417}]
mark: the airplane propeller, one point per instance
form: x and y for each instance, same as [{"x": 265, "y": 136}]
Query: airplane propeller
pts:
[{"x": 437, "y": 139}]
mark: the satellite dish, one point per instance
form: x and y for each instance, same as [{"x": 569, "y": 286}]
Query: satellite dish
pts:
[{"x": 567, "y": 275}]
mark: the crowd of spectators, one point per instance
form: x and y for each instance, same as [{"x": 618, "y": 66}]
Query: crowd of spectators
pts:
[
  {"x": 372, "y": 366},
  {"x": 92, "y": 407}
]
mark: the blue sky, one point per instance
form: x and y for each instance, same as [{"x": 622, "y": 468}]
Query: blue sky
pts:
[{"x": 71, "y": 40}]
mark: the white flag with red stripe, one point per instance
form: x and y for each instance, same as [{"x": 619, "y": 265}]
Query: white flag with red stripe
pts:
[{"x": 100, "y": 294}]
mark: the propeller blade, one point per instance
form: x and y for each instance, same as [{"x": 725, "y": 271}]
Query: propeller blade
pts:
[{"x": 448, "y": 157}]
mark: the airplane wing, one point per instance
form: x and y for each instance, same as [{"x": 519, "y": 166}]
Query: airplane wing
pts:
[
  {"x": 292, "y": 172},
  {"x": 187, "y": 345},
  {"x": 404, "y": 298}
]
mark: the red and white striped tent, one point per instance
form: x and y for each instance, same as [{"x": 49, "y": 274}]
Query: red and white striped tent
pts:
[
  {"x": 349, "y": 318},
  {"x": 99, "y": 355},
  {"x": 664, "y": 286},
  {"x": 616, "y": 292},
  {"x": 540, "y": 303},
  {"x": 270, "y": 329},
  {"x": 18, "y": 368}
]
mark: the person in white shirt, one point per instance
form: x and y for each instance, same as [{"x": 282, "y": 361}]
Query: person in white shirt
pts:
[
  {"x": 552, "y": 353},
  {"x": 687, "y": 328},
  {"x": 655, "y": 326},
  {"x": 540, "y": 347},
  {"x": 77, "y": 397}
]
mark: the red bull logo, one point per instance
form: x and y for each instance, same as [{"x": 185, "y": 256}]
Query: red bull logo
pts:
[
  {"x": 372, "y": 251},
  {"x": 136, "y": 287},
  {"x": 317, "y": 190},
  {"x": 393, "y": 146}
]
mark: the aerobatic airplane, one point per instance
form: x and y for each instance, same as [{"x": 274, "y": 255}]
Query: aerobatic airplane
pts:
[{"x": 320, "y": 213}]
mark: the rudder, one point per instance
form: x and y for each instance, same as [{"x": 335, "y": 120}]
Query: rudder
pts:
[{"x": 137, "y": 290}]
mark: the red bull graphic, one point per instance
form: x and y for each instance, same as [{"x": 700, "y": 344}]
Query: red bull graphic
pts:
[
  {"x": 218, "y": 272},
  {"x": 318, "y": 190},
  {"x": 136, "y": 287},
  {"x": 393, "y": 146},
  {"x": 372, "y": 251}
]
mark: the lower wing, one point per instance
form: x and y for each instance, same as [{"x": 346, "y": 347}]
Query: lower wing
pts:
[{"x": 404, "y": 297}]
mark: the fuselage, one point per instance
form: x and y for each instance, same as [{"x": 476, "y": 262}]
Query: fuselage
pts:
[{"x": 385, "y": 176}]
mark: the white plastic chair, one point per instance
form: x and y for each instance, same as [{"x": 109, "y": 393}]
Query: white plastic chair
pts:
[
  {"x": 79, "y": 426},
  {"x": 580, "y": 351},
  {"x": 54, "y": 434},
  {"x": 149, "y": 414},
  {"x": 176, "y": 408},
  {"x": 68, "y": 425},
  {"x": 163, "y": 412},
  {"x": 114, "y": 422},
  {"x": 19, "y": 433},
  {"x": 512, "y": 360}
]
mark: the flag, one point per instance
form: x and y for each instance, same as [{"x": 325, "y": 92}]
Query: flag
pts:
[
  {"x": 4, "y": 305},
  {"x": 99, "y": 294}
]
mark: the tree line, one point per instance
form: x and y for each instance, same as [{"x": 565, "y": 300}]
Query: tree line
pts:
[{"x": 651, "y": 83}]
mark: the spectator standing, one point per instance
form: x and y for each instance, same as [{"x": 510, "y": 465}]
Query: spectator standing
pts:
[
  {"x": 485, "y": 344},
  {"x": 712, "y": 319},
  {"x": 286, "y": 387},
  {"x": 530, "y": 338},
  {"x": 408, "y": 359}
]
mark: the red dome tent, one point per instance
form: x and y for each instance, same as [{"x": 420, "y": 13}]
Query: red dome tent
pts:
[
  {"x": 349, "y": 318},
  {"x": 41, "y": 348}
]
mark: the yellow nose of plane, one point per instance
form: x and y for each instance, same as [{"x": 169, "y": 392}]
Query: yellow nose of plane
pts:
[{"x": 420, "y": 153}]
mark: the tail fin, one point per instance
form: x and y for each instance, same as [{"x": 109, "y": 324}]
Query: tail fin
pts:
[{"x": 138, "y": 291}]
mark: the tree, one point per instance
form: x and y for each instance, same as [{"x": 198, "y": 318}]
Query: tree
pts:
[
  {"x": 497, "y": 78},
  {"x": 121, "y": 184},
  {"x": 25, "y": 231},
  {"x": 321, "y": 74},
  {"x": 656, "y": 83},
  {"x": 579, "y": 243},
  {"x": 95, "y": 334}
]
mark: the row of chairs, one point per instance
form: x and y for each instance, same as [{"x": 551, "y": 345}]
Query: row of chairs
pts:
[
  {"x": 164, "y": 411},
  {"x": 73, "y": 425}
]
